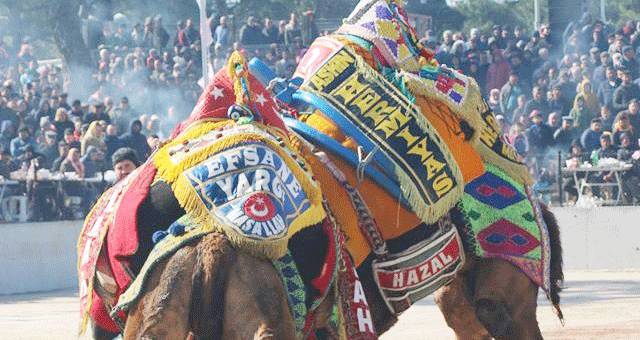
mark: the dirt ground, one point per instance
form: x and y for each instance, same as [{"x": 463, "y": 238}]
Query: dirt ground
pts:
[{"x": 597, "y": 305}]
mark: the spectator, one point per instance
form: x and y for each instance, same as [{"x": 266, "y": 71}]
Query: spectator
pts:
[
  {"x": 519, "y": 139},
  {"x": 269, "y": 31},
  {"x": 93, "y": 137},
  {"x": 622, "y": 126},
  {"x": 625, "y": 92},
  {"x": 607, "y": 87},
  {"x": 553, "y": 121},
  {"x": 607, "y": 118},
  {"x": 590, "y": 138},
  {"x": 63, "y": 150},
  {"x": 98, "y": 114},
  {"x": 7, "y": 165},
  {"x": 509, "y": 95},
  {"x": 93, "y": 162},
  {"x": 124, "y": 161},
  {"x": 494, "y": 101},
  {"x": 629, "y": 62},
  {"x": 76, "y": 109},
  {"x": 537, "y": 102},
  {"x": 633, "y": 111},
  {"x": 7, "y": 133},
  {"x": 136, "y": 140},
  {"x": 599, "y": 76},
  {"x": 292, "y": 30},
  {"x": 160, "y": 34},
  {"x": 539, "y": 135},
  {"x": 581, "y": 114},
  {"x": 520, "y": 110},
  {"x": 72, "y": 163},
  {"x": 111, "y": 140},
  {"x": 123, "y": 114},
  {"x": 590, "y": 99},
  {"x": 70, "y": 139},
  {"x": 498, "y": 72},
  {"x": 61, "y": 123},
  {"x": 564, "y": 135},
  {"x": 221, "y": 35},
  {"x": 557, "y": 102},
  {"x": 49, "y": 149},
  {"x": 251, "y": 34},
  {"x": 19, "y": 144}
]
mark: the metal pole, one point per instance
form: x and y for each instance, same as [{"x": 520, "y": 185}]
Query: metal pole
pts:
[
  {"x": 536, "y": 14},
  {"x": 204, "y": 45},
  {"x": 603, "y": 16},
  {"x": 560, "y": 177}
]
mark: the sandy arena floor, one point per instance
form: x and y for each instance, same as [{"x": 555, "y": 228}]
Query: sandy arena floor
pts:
[{"x": 599, "y": 305}]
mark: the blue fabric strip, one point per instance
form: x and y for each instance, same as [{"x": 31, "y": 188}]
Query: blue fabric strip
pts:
[{"x": 390, "y": 186}]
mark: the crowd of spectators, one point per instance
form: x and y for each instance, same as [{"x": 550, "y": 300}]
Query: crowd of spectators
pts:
[{"x": 575, "y": 91}]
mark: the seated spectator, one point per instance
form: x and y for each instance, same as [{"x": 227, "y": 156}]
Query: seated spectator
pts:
[
  {"x": 20, "y": 143},
  {"x": 7, "y": 165},
  {"x": 72, "y": 163},
  {"x": 70, "y": 139},
  {"x": 49, "y": 149},
  {"x": 626, "y": 148},
  {"x": 553, "y": 121},
  {"x": 63, "y": 150},
  {"x": 633, "y": 111},
  {"x": 557, "y": 101},
  {"x": 7, "y": 133},
  {"x": 93, "y": 161},
  {"x": 590, "y": 138},
  {"x": 98, "y": 113},
  {"x": 124, "y": 161},
  {"x": 62, "y": 122},
  {"x": 607, "y": 87},
  {"x": 93, "y": 137},
  {"x": 622, "y": 126},
  {"x": 31, "y": 158},
  {"x": 606, "y": 150}
]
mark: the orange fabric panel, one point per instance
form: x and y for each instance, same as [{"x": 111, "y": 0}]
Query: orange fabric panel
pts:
[
  {"x": 448, "y": 126},
  {"x": 392, "y": 219}
]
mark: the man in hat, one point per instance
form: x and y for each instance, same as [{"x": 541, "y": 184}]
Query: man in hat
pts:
[
  {"x": 539, "y": 135},
  {"x": 124, "y": 161},
  {"x": 564, "y": 135},
  {"x": 49, "y": 148},
  {"x": 19, "y": 144}
]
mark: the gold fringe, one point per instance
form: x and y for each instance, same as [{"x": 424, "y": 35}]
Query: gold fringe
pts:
[
  {"x": 470, "y": 110},
  {"x": 192, "y": 203}
]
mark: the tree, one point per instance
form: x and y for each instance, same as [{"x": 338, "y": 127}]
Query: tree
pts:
[{"x": 444, "y": 17}]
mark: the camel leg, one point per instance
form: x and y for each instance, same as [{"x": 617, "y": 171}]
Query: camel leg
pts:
[
  {"x": 256, "y": 303},
  {"x": 506, "y": 300},
  {"x": 458, "y": 312},
  {"x": 163, "y": 312}
]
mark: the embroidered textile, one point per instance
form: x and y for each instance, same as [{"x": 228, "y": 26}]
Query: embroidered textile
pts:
[
  {"x": 503, "y": 224},
  {"x": 378, "y": 116},
  {"x": 245, "y": 180}
]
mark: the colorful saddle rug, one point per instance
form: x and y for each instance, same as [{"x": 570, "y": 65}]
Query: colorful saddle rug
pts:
[
  {"x": 391, "y": 128},
  {"x": 505, "y": 222}
]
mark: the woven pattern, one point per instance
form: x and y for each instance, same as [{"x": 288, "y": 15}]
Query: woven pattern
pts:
[
  {"x": 502, "y": 222},
  {"x": 295, "y": 288}
]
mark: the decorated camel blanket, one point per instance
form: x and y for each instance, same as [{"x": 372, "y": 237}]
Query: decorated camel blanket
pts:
[
  {"x": 374, "y": 83},
  {"x": 231, "y": 166}
]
